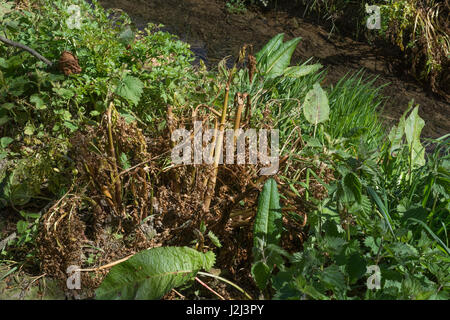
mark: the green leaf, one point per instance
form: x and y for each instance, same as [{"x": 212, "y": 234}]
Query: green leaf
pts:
[
  {"x": 315, "y": 107},
  {"x": 20, "y": 194},
  {"x": 333, "y": 278},
  {"x": 4, "y": 119},
  {"x": 152, "y": 273},
  {"x": 8, "y": 106},
  {"x": 404, "y": 250},
  {"x": 29, "y": 130},
  {"x": 352, "y": 182},
  {"x": 279, "y": 60},
  {"x": 124, "y": 162},
  {"x": 301, "y": 71},
  {"x": 381, "y": 207},
  {"x": 130, "y": 88},
  {"x": 261, "y": 273},
  {"x": 268, "y": 223},
  {"x": 5, "y": 141},
  {"x": 432, "y": 234},
  {"x": 275, "y": 56},
  {"x": 397, "y": 132},
  {"x": 38, "y": 102},
  {"x": 22, "y": 226},
  {"x": 271, "y": 46},
  {"x": 266, "y": 233},
  {"x": 214, "y": 239},
  {"x": 413, "y": 127},
  {"x": 64, "y": 93},
  {"x": 356, "y": 267},
  {"x": 373, "y": 243}
]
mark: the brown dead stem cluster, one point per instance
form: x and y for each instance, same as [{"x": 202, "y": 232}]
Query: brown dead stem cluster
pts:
[{"x": 128, "y": 196}]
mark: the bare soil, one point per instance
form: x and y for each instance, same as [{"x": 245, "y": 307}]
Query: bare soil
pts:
[{"x": 214, "y": 33}]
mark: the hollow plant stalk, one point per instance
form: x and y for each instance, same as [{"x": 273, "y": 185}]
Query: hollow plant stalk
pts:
[
  {"x": 112, "y": 153},
  {"x": 219, "y": 144}
]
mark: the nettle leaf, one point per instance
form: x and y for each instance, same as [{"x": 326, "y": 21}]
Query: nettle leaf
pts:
[
  {"x": 130, "y": 88},
  {"x": 21, "y": 226},
  {"x": 356, "y": 267},
  {"x": 404, "y": 250},
  {"x": 64, "y": 93},
  {"x": 352, "y": 182},
  {"x": 315, "y": 107},
  {"x": 152, "y": 273},
  {"x": 261, "y": 273},
  {"x": 334, "y": 244},
  {"x": 333, "y": 278},
  {"x": 38, "y": 102},
  {"x": 373, "y": 243}
]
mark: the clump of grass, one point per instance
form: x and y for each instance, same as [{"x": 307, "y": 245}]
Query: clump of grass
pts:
[{"x": 354, "y": 105}]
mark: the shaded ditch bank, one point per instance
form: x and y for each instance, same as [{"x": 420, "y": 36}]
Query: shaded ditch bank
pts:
[{"x": 214, "y": 33}]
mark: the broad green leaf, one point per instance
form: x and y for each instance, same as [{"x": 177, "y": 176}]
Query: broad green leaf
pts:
[
  {"x": 413, "y": 127},
  {"x": 20, "y": 194},
  {"x": 130, "y": 88},
  {"x": 266, "y": 233},
  {"x": 280, "y": 59},
  {"x": 271, "y": 46},
  {"x": 5, "y": 141},
  {"x": 3, "y": 63},
  {"x": 152, "y": 273},
  {"x": 308, "y": 289},
  {"x": 301, "y": 71},
  {"x": 397, "y": 132},
  {"x": 404, "y": 250},
  {"x": 268, "y": 223},
  {"x": 315, "y": 107},
  {"x": 373, "y": 243}
]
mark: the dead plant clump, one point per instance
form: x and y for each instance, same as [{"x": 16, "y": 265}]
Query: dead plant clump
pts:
[{"x": 156, "y": 205}]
